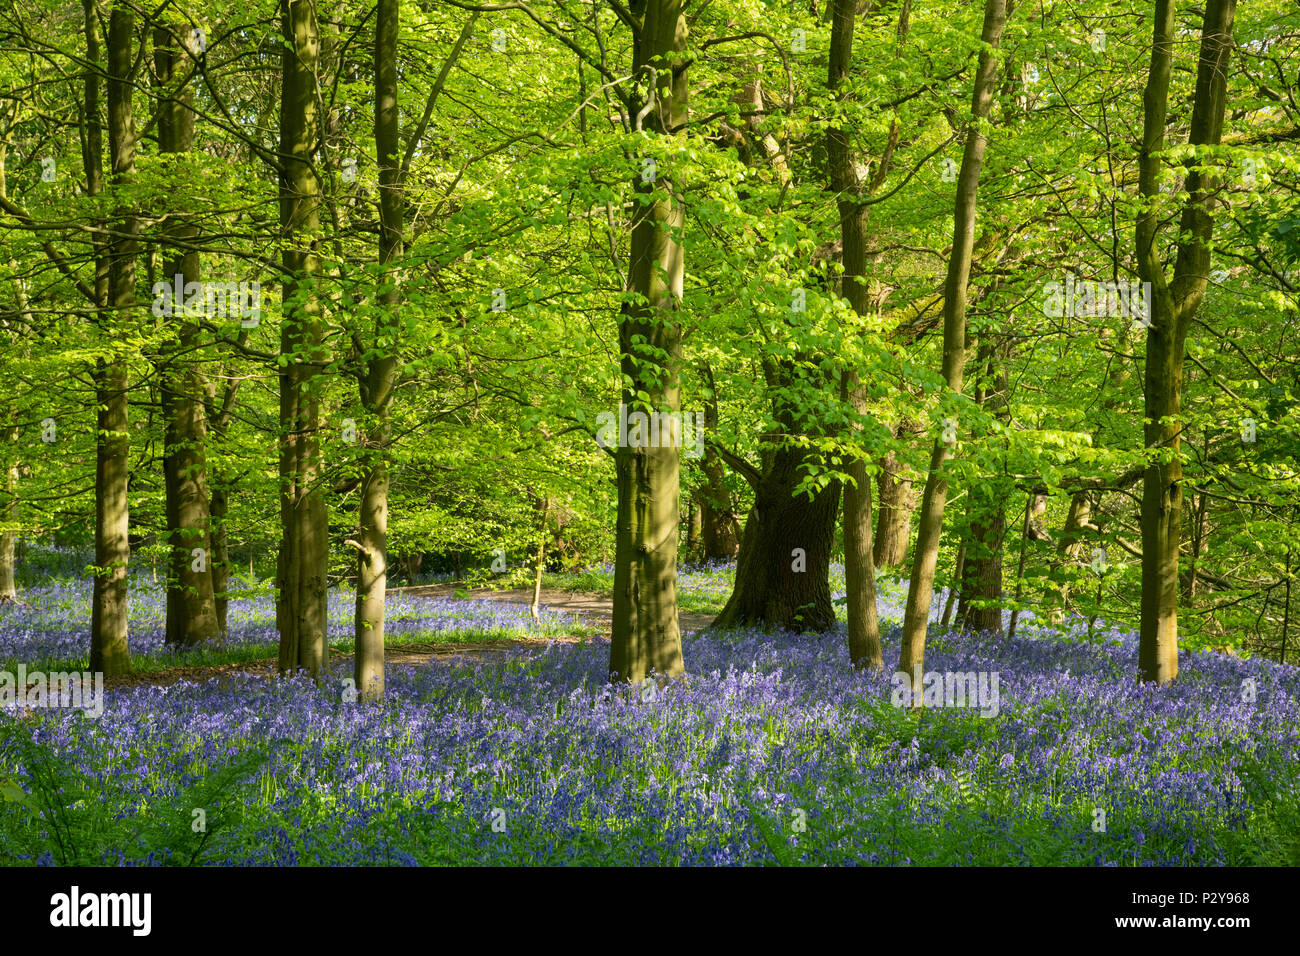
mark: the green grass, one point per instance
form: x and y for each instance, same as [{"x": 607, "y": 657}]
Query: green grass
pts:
[
  {"x": 598, "y": 581},
  {"x": 700, "y": 592}
]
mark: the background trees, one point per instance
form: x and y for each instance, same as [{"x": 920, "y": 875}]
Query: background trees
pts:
[{"x": 476, "y": 227}]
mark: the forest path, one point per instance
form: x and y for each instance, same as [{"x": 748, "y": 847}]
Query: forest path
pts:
[
  {"x": 582, "y": 604},
  {"x": 594, "y": 608}
]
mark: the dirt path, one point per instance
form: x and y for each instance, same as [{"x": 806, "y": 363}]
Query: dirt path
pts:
[
  {"x": 592, "y": 606},
  {"x": 595, "y": 608}
]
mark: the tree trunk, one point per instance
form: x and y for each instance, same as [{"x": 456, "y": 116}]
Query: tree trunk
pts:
[
  {"x": 981, "y": 588},
  {"x": 783, "y": 572},
  {"x": 718, "y": 522},
  {"x": 894, "y": 521},
  {"x": 692, "y": 527},
  {"x": 859, "y": 564},
  {"x": 1198, "y": 548},
  {"x": 1067, "y": 553},
  {"x": 381, "y": 370},
  {"x": 859, "y": 568},
  {"x": 646, "y": 638},
  {"x": 534, "y": 609},
  {"x": 1173, "y": 304},
  {"x": 219, "y": 417},
  {"x": 954, "y": 592},
  {"x": 108, "y": 622},
  {"x": 372, "y": 576},
  {"x": 191, "y": 601},
  {"x": 9, "y": 518},
  {"x": 917, "y": 614},
  {"x": 1031, "y": 508},
  {"x": 302, "y": 561},
  {"x": 1286, "y": 608},
  {"x": 217, "y": 511}
]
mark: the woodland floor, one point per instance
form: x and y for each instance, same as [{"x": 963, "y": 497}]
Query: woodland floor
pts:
[
  {"x": 519, "y": 719},
  {"x": 592, "y": 607}
]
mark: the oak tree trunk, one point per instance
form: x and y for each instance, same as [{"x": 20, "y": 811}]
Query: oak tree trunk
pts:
[{"x": 783, "y": 571}]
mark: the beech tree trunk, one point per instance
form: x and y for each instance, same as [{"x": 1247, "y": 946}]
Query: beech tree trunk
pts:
[
  {"x": 302, "y": 561},
  {"x": 217, "y": 510},
  {"x": 1199, "y": 546},
  {"x": 9, "y": 517},
  {"x": 1286, "y": 608},
  {"x": 1068, "y": 550},
  {"x": 718, "y": 524},
  {"x": 191, "y": 601},
  {"x": 693, "y": 527},
  {"x": 917, "y": 613},
  {"x": 219, "y": 416},
  {"x": 981, "y": 586},
  {"x": 646, "y": 638},
  {"x": 1174, "y": 302},
  {"x": 108, "y": 621},
  {"x": 381, "y": 373},
  {"x": 894, "y": 514},
  {"x": 543, "y": 506},
  {"x": 859, "y": 564}
]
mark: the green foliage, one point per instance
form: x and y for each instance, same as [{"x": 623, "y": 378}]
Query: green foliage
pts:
[{"x": 78, "y": 822}]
